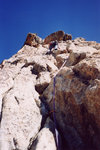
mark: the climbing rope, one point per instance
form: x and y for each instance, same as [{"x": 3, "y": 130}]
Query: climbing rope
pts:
[
  {"x": 54, "y": 114},
  {"x": 61, "y": 67}
]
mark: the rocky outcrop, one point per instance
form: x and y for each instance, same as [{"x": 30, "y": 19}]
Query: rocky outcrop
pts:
[
  {"x": 67, "y": 37},
  {"x": 54, "y": 36},
  {"x": 59, "y": 36},
  {"x": 27, "y": 90},
  {"x": 33, "y": 40}
]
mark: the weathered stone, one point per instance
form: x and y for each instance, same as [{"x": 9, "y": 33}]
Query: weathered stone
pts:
[
  {"x": 78, "y": 53},
  {"x": 20, "y": 76},
  {"x": 80, "y": 42},
  {"x": 94, "y": 44},
  {"x": 61, "y": 59},
  {"x": 70, "y": 47},
  {"x": 54, "y": 36},
  {"x": 67, "y": 98},
  {"x": 6, "y": 82},
  {"x": 45, "y": 139},
  {"x": 33, "y": 40},
  {"x": 67, "y": 37},
  {"x": 27, "y": 94},
  {"x": 59, "y": 36},
  {"x": 21, "y": 118},
  {"x": 77, "y": 103},
  {"x": 88, "y": 69},
  {"x": 42, "y": 82}
]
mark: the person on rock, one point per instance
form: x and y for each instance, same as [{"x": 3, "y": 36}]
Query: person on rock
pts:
[{"x": 53, "y": 44}]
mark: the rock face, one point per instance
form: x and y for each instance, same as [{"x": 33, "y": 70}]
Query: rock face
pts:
[
  {"x": 27, "y": 93},
  {"x": 21, "y": 109},
  {"x": 77, "y": 97}
]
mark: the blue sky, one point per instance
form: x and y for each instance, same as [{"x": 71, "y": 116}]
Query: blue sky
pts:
[{"x": 81, "y": 18}]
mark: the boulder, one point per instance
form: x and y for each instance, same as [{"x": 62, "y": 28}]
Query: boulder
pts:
[
  {"x": 45, "y": 139},
  {"x": 42, "y": 82},
  {"x": 33, "y": 40},
  {"x": 67, "y": 37},
  {"x": 78, "y": 53},
  {"x": 54, "y": 36},
  {"x": 94, "y": 44},
  {"x": 61, "y": 59}
]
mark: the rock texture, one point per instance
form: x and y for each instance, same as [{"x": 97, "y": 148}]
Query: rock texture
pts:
[
  {"x": 33, "y": 40},
  {"x": 67, "y": 37},
  {"x": 26, "y": 95},
  {"x": 45, "y": 139},
  {"x": 77, "y": 96},
  {"x": 59, "y": 36}
]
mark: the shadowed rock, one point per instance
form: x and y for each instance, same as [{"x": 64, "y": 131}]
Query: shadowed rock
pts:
[{"x": 67, "y": 37}]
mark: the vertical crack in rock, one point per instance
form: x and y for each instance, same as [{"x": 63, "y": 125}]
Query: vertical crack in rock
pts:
[
  {"x": 1, "y": 109},
  {"x": 15, "y": 144},
  {"x": 17, "y": 100},
  {"x": 2, "y": 103}
]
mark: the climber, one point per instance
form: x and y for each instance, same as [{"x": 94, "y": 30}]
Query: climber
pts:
[{"x": 53, "y": 44}]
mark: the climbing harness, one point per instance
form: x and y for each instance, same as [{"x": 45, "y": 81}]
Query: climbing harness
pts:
[{"x": 53, "y": 111}]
